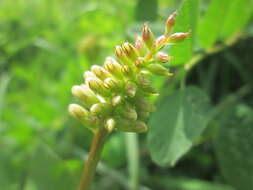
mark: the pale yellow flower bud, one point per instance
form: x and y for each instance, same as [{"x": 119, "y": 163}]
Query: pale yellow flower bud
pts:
[
  {"x": 85, "y": 94},
  {"x": 112, "y": 84},
  {"x": 110, "y": 124},
  {"x": 97, "y": 85},
  {"x": 101, "y": 109},
  {"x": 158, "y": 70},
  {"x": 100, "y": 72}
]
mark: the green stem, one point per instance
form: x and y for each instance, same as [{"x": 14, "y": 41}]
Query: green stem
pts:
[
  {"x": 133, "y": 160},
  {"x": 93, "y": 158}
]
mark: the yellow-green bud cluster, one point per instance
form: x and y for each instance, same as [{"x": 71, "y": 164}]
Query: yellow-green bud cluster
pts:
[{"x": 115, "y": 95}]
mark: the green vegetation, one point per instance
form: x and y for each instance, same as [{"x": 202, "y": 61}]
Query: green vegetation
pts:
[{"x": 199, "y": 137}]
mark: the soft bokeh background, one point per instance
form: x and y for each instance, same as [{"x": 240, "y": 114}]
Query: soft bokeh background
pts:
[{"x": 45, "y": 45}]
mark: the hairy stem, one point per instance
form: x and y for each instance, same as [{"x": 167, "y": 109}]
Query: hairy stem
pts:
[{"x": 93, "y": 158}]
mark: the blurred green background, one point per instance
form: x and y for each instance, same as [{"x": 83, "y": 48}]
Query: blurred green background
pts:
[{"x": 45, "y": 45}]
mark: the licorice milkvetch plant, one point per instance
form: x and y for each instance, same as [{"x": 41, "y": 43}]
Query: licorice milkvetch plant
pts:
[{"x": 115, "y": 96}]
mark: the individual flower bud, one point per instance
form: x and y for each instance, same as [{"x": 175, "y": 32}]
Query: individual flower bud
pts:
[
  {"x": 147, "y": 36},
  {"x": 139, "y": 45},
  {"x": 143, "y": 115},
  {"x": 121, "y": 55},
  {"x": 113, "y": 67},
  {"x": 131, "y": 126},
  {"x": 100, "y": 72},
  {"x": 101, "y": 109},
  {"x": 130, "y": 51},
  {"x": 131, "y": 89},
  {"x": 110, "y": 124},
  {"x": 170, "y": 23},
  {"x": 143, "y": 104},
  {"x": 158, "y": 70},
  {"x": 127, "y": 71},
  {"x": 97, "y": 85},
  {"x": 160, "y": 42},
  {"x": 140, "y": 127},
  {"x": 145, "y": 84},
  {"x": 88, "y": 74},
  {"x": 83, "y": 116},
  {"x": 127, "y": 112},
  {"x": 78, "y": 111},
  {"x": 177, "y": 37},
  {"x": 140, "y": 62},
  {"x": 112, "y": 84},
  {"x": 163, "y": 57},
  {"x": 85, "y": 94},
  {"x": 116, "y": 100}
]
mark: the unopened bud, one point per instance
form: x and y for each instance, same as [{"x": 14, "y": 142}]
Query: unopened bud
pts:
[
  {"x": 160, "y": 42},
  {"x": 163, "y": 57},
  {"x": 88, "y": 74},
  {"x": 127, "y": 71},
  {"x": 78, "y": 111},
  {"x": 128, "y": 112},
  {"x": 143, "y": 115},
  {"x": 121, "y": 55},
  {"x": 140, "y": 62},
  {"x": 131, "y": 126},
  {"x": 130, "y": 51},
  {"x": 101, "y": 109},
  {"x": 85, "y": 94},
  {"x": 140, "y": 46},
  {"x": 131, "y": 89},
  {"x": 112, "y": 84},
  {"x": 178, "y": 37},
  {"x": 97, "y": 85},
  {"x": 100, "y": 72},
  {"x": 170, "y": 23},
  {"x": 158, "y": 70},
  {"x": 83, "y": 116},
  {"x": 147, "y": 36},
  {"x": 110, "y": 124},
  {"x": 144, "y": 105},
  {"x": 113, "y": 67},
  {"x": 116, "y": 100},
  {"x": 145, "y": 84}
]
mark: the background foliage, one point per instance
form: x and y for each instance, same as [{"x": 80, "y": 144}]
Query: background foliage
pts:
[{"x": 204, "y": 132}]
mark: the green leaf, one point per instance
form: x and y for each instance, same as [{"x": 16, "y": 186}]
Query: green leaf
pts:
[
  {"x": 186, "y": 20},
  {"x": 9, "y": 174},
  {"x": 237, "y": 17},
  {"x": 179, "y": 121},
  {"x": 212, "y": 22},
  {"x": 47, "y": 171},
  {"x": 4, "y": 80},
  {"x": 234, "y": 146},
  {"x": 187, "y": 184},
  {"x": 146, "y": 10}
]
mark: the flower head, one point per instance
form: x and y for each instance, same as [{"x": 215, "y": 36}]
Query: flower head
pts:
[{"x": 115, "y": 95}]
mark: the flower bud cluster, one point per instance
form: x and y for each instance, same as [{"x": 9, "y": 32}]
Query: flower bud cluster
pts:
[{"x": 115, "y": 95}]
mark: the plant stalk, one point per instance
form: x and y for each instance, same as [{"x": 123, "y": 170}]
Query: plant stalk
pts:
[
  {"x": 93, "y": 158},
  {"x": 133, "y": 160}
]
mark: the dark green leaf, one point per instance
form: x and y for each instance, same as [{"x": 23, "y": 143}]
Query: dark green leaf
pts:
[
  {"x": 234, "y": 147},
  {"x": 178, "y": 122},
  {"x": 188, "y": 184}
]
